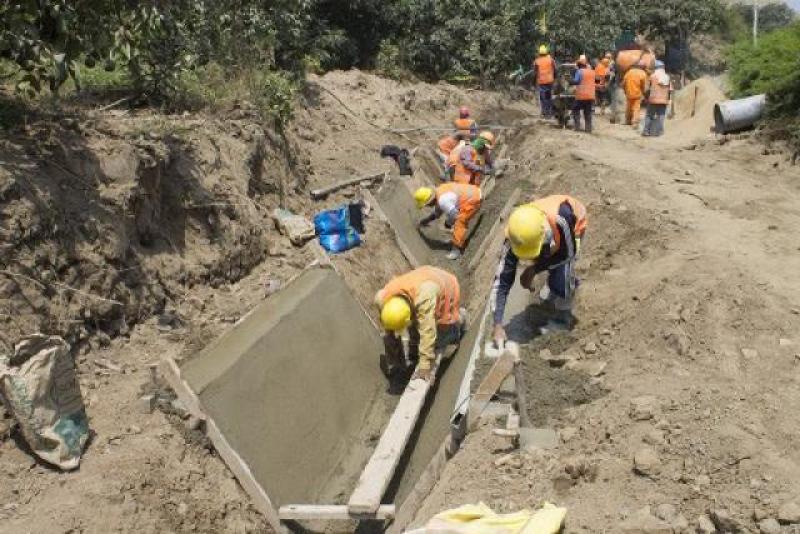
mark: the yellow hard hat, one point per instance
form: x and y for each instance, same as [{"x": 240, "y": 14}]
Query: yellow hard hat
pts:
[
  {"x": 525, "y": 231},
  {"x": 423, "y": 196},
  {"x": 396, "y": 314},
  {"x": 543, "y": 50},
  {"x": 489, "y": 138}
]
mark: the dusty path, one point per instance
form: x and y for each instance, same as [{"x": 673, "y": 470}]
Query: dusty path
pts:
[{"x": 689, "y": 320}]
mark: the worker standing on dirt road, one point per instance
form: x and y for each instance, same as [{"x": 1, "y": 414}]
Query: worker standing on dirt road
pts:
[
  {"x": 585, "y": 93},
  {"x": 603, "y": 79},
  {"x": 425, "y": 303},
  {"x": 548, "y": 233},
  {"x": 544, "y": 74},
  {"x": 658, "y": 97},
  {"x": 634, "y": 84},
  {"x": 467, "y": 164},
  {"x": 459, "y": 203}
]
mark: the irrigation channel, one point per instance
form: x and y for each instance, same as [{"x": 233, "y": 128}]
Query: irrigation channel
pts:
[{"x": 295, "y": 403}]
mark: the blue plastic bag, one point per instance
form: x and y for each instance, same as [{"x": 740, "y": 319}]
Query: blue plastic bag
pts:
[
  {"x": 340, "y": 241},
  {"x": 335, "y": 221}
]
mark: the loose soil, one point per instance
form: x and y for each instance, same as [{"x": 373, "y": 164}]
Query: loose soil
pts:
[{"x": 689, "y": 259}]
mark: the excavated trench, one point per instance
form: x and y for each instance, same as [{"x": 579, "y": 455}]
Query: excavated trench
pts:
[{"x": 294, "y": 395}]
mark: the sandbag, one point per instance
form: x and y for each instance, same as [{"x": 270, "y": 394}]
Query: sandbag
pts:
[{"x": 39, "y": 388}]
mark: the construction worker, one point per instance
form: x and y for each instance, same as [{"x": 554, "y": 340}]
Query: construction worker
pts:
[
  {"x": 467, "y": 164},
  {"x": 547, "y": 233},
  {"x": 585, "y": 93},
  {"x": 459, "y": 203},
  {"x": 634, "y": 84},
  {"x": 445, "y": 147},
  {"x": 603, "y": 78},
  {"x": 658, "y": 97},
  {"x": 488, "y": 155},
  {"x": 544, "y": 74},
  {"x": 425, "y": 303},
  {"x": 466, "y": 128}
]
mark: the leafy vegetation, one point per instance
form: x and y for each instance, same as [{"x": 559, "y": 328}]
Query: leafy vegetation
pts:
[
  {"x": 182, "y": 53},
  {"x": 771, "y": 67}
]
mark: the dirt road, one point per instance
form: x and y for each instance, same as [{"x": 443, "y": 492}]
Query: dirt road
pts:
[{"x": 688, "y": 319}]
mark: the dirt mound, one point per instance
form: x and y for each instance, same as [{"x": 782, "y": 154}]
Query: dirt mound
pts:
[{"x": 694, "y": 107}]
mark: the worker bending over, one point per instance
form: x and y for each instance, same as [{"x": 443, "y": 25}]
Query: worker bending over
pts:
[
  {"x": 468, "y": 164},
  {"x": 544, "y": 74},
  {"x": 459, "y": 203},
  {"x": 658, "y": 97},
  {"x": 465, "y": 130},
  {"x": 634, "y": 84},
  {"x": 546, "y": 234},
  {"x": 425, "y": 303},
  {"x": 585, "y": 92}
]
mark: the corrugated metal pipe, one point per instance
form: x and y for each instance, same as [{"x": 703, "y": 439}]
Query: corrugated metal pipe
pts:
[{"x": 735, "y": 115}]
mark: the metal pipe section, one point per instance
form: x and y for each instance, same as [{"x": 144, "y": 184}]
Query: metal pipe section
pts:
[{"x": 734, "y": 115}]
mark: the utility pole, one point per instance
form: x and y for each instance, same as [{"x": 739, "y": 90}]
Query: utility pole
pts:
[{"x": 755, "y": 22}]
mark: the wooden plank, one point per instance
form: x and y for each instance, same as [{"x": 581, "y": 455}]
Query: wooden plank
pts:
[
  {"x": 334, "y": 512},
  {"x": 238, "y": 467},
  {"x": 375, "y": 478},
  {"x": 494, "y": 379},
  {"x": 324, "y": 191}
]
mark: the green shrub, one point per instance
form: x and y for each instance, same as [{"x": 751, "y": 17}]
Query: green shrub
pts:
[{"x": 771, "y": 67}]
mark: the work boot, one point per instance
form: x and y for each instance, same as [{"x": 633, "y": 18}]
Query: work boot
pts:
[{"x": 454, "y": 253}]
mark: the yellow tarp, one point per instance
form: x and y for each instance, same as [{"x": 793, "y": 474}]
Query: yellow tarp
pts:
[{"x": 480, "y": 519}]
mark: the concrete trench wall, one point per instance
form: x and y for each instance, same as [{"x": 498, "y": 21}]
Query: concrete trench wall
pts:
[
  {"x": 291, "y": 386},
  {"x": 295, "y": 388}
]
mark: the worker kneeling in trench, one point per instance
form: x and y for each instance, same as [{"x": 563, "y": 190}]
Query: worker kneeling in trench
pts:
[
  {"x": 548, "y": 233},
  {"x": 425, "y": 304},
  {"x": 459, "y": 203}
]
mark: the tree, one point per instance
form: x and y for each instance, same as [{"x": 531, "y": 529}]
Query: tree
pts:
[{"x": 770, "y": 17}]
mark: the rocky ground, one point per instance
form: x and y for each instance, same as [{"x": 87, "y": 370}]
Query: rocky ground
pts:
[{"x": 136, "y": 235}]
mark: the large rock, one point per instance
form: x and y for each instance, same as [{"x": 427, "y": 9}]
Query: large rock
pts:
[
  {"x": 646, "y": 462},
  {"x": 769, "y": 526},
  {"x": 724, "y": 522},
  {"x": 644, "y": 522},
  {"x": 644, "y": 408},
  {"x": 705, "y": 525},
  {"x": 789, "y": 513}
]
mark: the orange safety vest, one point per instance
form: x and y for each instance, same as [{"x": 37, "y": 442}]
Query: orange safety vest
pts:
[
  {"x": 545, "y": 70},
  {"x": 447, "y": 144},
  {"x": 550, "y": 205},
  {"x": 461, "y": 174},
  {"x": 659, "y": 94},
  {"x": 586, "y": 89},
  {"x": 407, "y": 285},
  {"x": 601, "y": 71},
  {"x": 465, "y": 127},
  {"x": 467, "y": 194}
]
